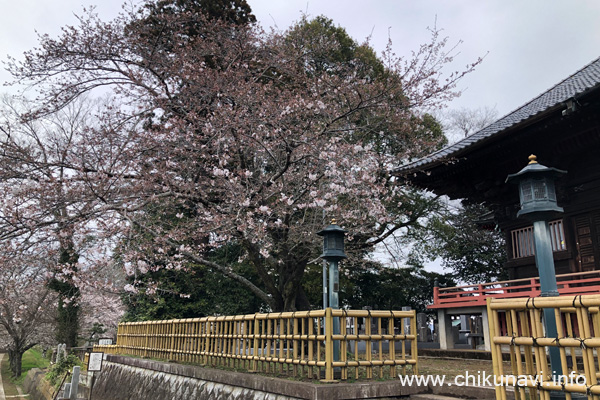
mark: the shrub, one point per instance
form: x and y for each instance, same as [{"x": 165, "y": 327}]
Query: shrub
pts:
[{"x": 58, "y": 370}]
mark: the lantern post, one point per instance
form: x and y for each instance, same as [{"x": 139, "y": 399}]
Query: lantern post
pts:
[
  {"x": 537, "y": 196},
  {"x": 333, "y": 252}
]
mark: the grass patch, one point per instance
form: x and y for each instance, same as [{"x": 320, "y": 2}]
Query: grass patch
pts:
[
  {"x": 452, "y": 367},
  {"x": 31, "y": 359},
  {"x": 10, "y": 389}
]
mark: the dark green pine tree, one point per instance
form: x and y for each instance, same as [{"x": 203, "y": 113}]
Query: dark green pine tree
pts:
[
  {"x": 233, "y": 11},
  {"x": 68, "y": 297}
]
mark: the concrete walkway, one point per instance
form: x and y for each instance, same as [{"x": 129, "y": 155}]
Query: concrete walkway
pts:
[{"x": 2, "y": 397}]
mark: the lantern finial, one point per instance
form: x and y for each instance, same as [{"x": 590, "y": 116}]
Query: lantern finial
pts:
[
  {"x": 533, "y": 159},
  {"x": 333, "y": 221}
]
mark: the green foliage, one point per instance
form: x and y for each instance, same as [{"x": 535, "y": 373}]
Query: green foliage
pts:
[
  {"x": 96, "y": 330},
  {"x": 474, "y": 254},
  {"x": 68, "y": 321},
  {"x": 332, "y": 50},
  {"x": 193, "y": 292},
  {"x": 378, "y": 287},
  {"x": 68, "y": 295},
  {"x": 233, "y": 11},
  {"x": 58, "y": 370},
  {"x": 392, "y": 288},
  {"x": 430, "y": 132},
  {"x": 161, "y": 27}
]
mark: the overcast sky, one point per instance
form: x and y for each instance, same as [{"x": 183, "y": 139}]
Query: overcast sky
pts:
[{"x": 530, "y": 45}]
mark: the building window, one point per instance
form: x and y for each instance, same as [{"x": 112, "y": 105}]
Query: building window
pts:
[{"x": 522, "y": 239}]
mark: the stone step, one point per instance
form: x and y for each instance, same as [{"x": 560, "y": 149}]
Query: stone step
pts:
[{"x": 429, "y": 396}]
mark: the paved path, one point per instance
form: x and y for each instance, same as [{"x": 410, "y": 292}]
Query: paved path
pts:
[{"x": 1, "y": 386}]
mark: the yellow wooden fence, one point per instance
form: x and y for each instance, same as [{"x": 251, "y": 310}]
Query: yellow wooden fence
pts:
[
  {"x": 288, "y": 343},
  {"x": 518, "y": 324}
]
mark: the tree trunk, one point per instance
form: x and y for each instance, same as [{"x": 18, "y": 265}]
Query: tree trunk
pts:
[
  {"x": 302, "y": 303},
  {"x": 15, "y": 358},
  {"x": 68, "y": 322},
  {"x": 290, "y": 294},
  {"x": 293, "y": 296}
]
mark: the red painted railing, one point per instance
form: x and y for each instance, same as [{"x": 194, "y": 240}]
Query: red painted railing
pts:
[{"x": 475, "y": 295}]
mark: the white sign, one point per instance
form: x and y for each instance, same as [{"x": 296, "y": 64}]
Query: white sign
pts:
[
  {"x": 104, "y": 342},
  {"x": 95, "y": 361}
]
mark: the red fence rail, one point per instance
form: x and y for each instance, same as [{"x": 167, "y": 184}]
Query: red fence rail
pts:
[{"x": 475, "y": 295}]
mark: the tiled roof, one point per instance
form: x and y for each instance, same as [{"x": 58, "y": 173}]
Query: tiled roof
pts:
[{"x": 579, "y": 83}]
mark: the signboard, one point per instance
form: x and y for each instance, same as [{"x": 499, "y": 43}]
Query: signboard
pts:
[
  {"x": 95, "y": 361},
  {"x": 105, "y": 341}
]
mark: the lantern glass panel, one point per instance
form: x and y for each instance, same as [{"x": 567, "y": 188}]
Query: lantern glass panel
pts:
[
  {"x": 526, "y": 192},
  {"x": 339, "y": 242},
  {"x": 539, "y": 190},
  {"x": 551, "y": 191},
  {"x": 325, "y": 242}
]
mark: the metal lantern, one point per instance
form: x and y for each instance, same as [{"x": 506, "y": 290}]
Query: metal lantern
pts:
[
  {"x": 333, "y": 242},
  {"x": 333, "y": 252},
  {"x": 538, "y": 204},
  {"x": 536, "y": 189}
]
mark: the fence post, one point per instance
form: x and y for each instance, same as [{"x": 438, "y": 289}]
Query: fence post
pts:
[
  {"x": 120, "y": 331},
  {"x": 414, "y": 350},
  {"x": 255, "y": 345},
  {"x": 147, "y": 336},
  {"x": 172, "y": 339},
  {"x": 495, "y": 359},
  {"x": 295, "y": 344},
  {"x": 206, "y": 331},
  {"x": 328, "y": 345},
  {"x": 124, "y": 339}
]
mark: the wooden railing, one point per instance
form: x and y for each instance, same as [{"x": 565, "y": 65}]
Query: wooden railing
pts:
[
  {"x": 299, "y": 344},
  {"x": 475, "y": 295},
  {"x": 520, "y": 325},
  {"x": 522, "y": 239}
]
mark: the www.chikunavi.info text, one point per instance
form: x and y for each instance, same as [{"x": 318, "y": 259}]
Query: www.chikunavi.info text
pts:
[{"x": 482, "y": 378}]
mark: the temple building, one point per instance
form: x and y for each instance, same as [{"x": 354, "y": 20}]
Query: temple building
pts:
[{"x": 562, "y": 128}]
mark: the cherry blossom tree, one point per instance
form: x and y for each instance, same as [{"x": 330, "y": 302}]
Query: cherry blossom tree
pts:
[
  {"x": 100, "y": 309},
  {"x": 43, "y": 203},
  {"x": 27, "y": 306},
  {"x": 235, "y": 135}
]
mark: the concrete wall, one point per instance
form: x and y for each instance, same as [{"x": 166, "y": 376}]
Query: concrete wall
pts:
[
  {"x": 125, "y": 378},
  {"x": 118, "y": 381},
  {"x": 37, "y": 387},
  {"x": 137, "y": 379}
]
